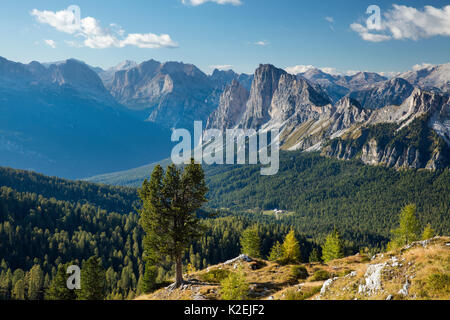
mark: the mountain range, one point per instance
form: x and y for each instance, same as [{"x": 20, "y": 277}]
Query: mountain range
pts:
[{"x": 74, "y": 120}]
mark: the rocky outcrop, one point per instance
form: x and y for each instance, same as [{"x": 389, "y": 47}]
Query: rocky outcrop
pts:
[{"x": 231, "y": 107}]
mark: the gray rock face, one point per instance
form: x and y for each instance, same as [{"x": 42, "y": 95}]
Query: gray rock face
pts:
[
  {"x": 175, "y": 94},
  {"x": 264, "y": 84},
  {"x": 381, "y": 94},
  {"x": 295, "y": 97},
  {"x": 231, "y": 107}
]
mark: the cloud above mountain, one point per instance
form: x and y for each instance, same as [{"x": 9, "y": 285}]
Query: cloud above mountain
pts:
[
  {"x": 94, "y": 35},
  {"x": 403, "y": 22},
  {"x": 200, "y": 2}
]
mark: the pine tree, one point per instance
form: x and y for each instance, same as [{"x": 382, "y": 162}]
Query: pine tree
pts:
[
  {"x": 428, "y": 232},
  {"x": 333, "y": 248},
  {"x": 291, "y": 248},
  {"x": 251, "y": 242},
  {"x": 58, "y": 288},
  {"x": 93, "y": 282},
  {"x": 276, "y": 253},
  {"x": 169, "y": 204},
  {"x": 408, "y": 230}
]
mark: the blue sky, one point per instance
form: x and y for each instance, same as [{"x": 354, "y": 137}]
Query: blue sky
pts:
[{"x": 242, "y": 34}]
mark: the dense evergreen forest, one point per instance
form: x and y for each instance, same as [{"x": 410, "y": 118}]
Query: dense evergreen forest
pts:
[
  {"x": 46, "y": 222},
  {"x": 359, "y": 200}
]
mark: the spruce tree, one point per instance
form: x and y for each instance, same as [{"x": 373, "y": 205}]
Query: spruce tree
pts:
[
  {"x": 332, "y": 248},
  {"x": 93, "y": 282},
  {"x": 168, "y": 214},
  {"x": 251, "y": 242}
]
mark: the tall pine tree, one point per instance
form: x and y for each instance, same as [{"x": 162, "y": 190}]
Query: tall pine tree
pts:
[{"x": 168, "y": 214}]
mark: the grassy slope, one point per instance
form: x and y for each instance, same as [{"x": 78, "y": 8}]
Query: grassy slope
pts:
[{"x": 426, "y": 267}]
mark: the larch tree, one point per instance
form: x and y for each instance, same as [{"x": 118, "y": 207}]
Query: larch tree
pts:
[
  {"x": 291, "y": 248},
  {"x": 170, "y": 201},
  {"x": 428, "y": 232},
  {"x": 408, "y": 229},
  {"x": 332, "y": 248},
  {"x": 251, "y": 242}
]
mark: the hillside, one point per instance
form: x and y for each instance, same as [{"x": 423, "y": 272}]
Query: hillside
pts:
[
  {"x": 324, "y": 192},
  {"x": 420, "y": 270}
]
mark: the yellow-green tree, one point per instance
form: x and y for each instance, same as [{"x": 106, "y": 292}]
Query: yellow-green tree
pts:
[
  {"x": 332, "y": 248},
  {"x": 291, "y": 248},
  {"x": 277, "y": 252},
  {"x": 408, "y": 229},
  {"x": 251, "y": 242},
  {"x": 428, "y": 232},
  {"x": 234, "y": 287}
]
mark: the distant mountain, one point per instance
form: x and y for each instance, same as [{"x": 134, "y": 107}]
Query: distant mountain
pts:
[
  {"x": 173, "y": 94},
  {"x": 337, "y": 86},
  {"x": 107, "y": 76},
  {"x": 430, "y": 77},
  {"x": 380, "y": 94},
  {"x": 61, "y": 120}
]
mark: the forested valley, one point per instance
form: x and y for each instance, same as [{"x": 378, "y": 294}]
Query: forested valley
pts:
[{"x": 47, "y": 222}]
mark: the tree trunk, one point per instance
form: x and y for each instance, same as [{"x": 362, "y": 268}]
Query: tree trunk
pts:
[{"x": 179, "y": 272}]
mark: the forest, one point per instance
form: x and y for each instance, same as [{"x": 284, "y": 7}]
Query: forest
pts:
[{"x": 47, "y": 222}]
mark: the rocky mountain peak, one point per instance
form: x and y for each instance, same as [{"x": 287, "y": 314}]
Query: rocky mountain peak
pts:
[{"x": 264, "y": 84}]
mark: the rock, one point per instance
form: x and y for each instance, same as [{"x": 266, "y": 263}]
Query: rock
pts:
[
  {"x": 404, "y": 290},
  {"x": 242, "y": 257},
  {"x": 326, "y": 285},
  {"x": 372, "y": 279}
]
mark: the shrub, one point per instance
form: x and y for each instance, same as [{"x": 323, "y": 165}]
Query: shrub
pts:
[
  {"x": 234, "y": 287},
  {"x": 438, "y": 282},
  {"x": 298, "y": 272},
  {"x": 214, "y": 276},
  {"x": 320, "y": 275}
]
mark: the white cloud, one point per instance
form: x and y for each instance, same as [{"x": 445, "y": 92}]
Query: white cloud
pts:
[
  {"x": 97, "y": 37},
  {"x": 305, "y": 68},
  {"x": 200, "y": 2},
  {"x": 223, "y": 67},
  {"x": 50, "y": 43},
  {"x": 421, "y": 66},
  {"x": 329, "y": 19},
  {"x": 403, "y": 22},
  {"x": 262, "y": 43}
]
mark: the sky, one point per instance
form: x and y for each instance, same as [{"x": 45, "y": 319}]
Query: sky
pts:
[{"x": 239, "y": 34}]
